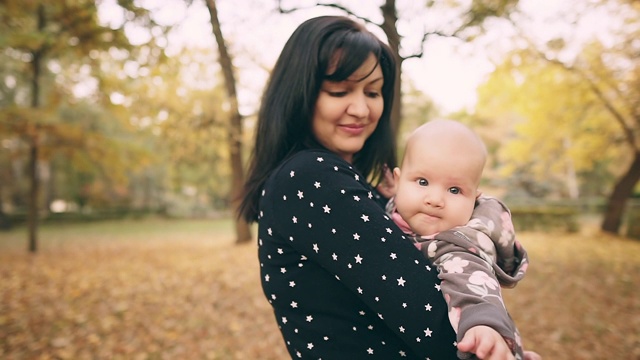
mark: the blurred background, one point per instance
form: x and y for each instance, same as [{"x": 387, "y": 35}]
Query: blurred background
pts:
[{"x": 125, "y": 123}]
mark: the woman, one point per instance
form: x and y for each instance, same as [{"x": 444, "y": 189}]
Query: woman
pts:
[{"x": 342, "y": 281}]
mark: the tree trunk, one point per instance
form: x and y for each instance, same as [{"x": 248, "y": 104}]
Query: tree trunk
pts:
[
  {"x": 618, "y": 198},
  {"x": 243, "y": 231},
  {"x": 34, "y": 143},
  {"x": 34, "y": 191},
  {"x": 390, "y": 17}
]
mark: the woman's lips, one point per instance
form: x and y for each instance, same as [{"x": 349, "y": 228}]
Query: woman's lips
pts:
[{"x": 353, "y": 129}]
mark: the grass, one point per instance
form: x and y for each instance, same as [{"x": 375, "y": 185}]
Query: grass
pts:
[{"x": 162, "y": 289}]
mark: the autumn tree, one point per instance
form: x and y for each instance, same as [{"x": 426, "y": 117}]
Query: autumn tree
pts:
[
  {"x": 549, "y": 132},
  {"x": 578, "y": 109},
  {"x": 462, "y": 20},
  {"x": 41, "y": 37}
]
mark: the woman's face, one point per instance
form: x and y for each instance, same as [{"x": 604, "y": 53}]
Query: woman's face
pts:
[{"x": 347, "y": 112}]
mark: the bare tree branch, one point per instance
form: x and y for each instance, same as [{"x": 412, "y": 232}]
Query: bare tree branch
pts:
[{"x": 330, "y": 5}]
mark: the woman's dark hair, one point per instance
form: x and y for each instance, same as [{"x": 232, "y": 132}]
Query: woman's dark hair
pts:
[{"x": 288, "y": 103}]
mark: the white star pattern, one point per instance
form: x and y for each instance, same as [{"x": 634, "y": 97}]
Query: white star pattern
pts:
[
  {"x": 428, "y": 332},
  {"x": 344, "y": 217}
]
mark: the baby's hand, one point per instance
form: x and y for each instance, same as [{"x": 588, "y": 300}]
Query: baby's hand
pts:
[
  {"x": 387, "y": 187},
  {"x": 530, "y": 355},
  {"x": 486, "y": 343}
]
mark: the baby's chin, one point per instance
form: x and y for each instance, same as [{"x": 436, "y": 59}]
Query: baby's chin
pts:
[{"x": 427, "y": 229}]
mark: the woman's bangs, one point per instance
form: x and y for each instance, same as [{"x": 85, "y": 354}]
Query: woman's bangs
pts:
[{"x": 353, "y": 52}]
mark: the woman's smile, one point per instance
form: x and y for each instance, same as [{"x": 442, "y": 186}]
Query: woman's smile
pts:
[{"x": 353, "y": 129}]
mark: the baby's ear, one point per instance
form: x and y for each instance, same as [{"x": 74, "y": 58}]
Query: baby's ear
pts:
[{"x": 396, "y": 177}]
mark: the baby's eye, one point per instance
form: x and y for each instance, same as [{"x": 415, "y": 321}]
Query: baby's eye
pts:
[
  {"x": 423, "y": 182},
  {"x": 455, "y": 190}
]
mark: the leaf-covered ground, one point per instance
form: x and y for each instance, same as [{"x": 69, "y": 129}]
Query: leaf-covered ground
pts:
[{"x": 182, "y": 290}]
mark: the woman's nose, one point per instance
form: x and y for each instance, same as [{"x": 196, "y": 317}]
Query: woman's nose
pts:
[{"x": 358, "y": 106}]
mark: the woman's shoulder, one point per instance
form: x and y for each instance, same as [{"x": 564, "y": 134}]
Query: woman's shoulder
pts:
[
  {"x": 312, "y": 161},
  {"x": 313, "y": 164}
]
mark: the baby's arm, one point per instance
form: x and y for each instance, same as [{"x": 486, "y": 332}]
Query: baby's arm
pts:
[
  {"x": 471, "y": 290},
  {"x": 472, "y": 268}
]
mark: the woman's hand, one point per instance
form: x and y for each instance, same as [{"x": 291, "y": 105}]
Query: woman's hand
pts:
[{"x": 387, "y": 187}]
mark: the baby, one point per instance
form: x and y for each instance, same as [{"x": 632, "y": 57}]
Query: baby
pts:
[{"x": 436, "y": 194}]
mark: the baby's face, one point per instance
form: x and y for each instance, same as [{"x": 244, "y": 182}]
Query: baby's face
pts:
[{"x": 437, "y": 186}]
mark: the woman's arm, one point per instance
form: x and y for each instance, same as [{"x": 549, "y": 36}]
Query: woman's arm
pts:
[{"x": 329, "y": 213}]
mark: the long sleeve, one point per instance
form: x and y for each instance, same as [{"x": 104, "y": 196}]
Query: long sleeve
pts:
[
  {"x": 341, "y": 277},
  {"x": 474, "y": 261}
]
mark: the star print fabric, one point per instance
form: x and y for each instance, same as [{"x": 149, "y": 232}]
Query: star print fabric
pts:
[{"x": 342, "y": 279}]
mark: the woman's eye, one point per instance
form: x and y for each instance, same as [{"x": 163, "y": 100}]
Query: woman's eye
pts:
[
  {"x": 455, "y": 190},
  {"x": 373, "y": 94},
  {"x": 337, "y": 93},
  {"x": 423, "y": 182}
]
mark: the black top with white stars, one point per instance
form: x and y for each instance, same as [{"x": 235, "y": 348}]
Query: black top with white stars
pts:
[{"x": 342, "y": 280}]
